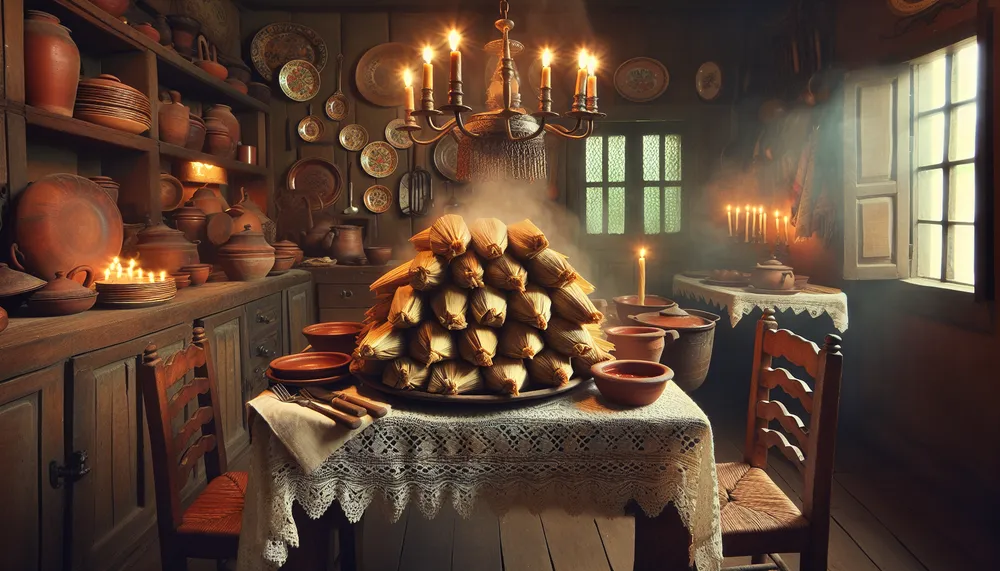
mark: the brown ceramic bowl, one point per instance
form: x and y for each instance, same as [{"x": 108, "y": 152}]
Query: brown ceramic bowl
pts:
[
  {"x": 626, "y": 305},
  {"x": 182, "y": 279},
  {"x": 631, "y": 383},
  {"x": 303, "y": 366},
  {"x": 378, "y": 255},
  {"x": 634, "y": 343},
  {"x": 198, "y": 272},
  {"x": 282, "y": 264},
  {"x": 338, "y": 336},
  {"x": 801, "y": 281}
]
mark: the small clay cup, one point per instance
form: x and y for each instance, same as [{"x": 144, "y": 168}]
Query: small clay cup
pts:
[
  {"x": 199, "y": 273},
  {"x": 182, "y": 279},
  {"x": 636, "y": 343},
  {"x": 378, "y": 255},
  {"x": 631, "y": 383},
  {"x": 282, "y": 264}
]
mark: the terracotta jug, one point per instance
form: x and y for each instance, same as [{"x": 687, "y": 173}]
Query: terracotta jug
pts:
[
  {"x": 224, "y": 113},
  {"x": 175, "y": 120},
  {"x": 344, "y": 244},
  {"x": 51, "y": 64},
  {"x": 184, "y": 30},
  {"x": 208, "y": 60}
]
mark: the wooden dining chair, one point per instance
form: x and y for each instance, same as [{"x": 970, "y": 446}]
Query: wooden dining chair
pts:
[
  {"x": 209, "y": 528},
  {"x": 758, "y": 519}
]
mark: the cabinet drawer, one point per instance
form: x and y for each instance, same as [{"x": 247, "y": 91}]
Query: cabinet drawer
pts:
[
  {"x": 345, "y": 295},
  {"x": 355, "y": 314},
  {"x": 261, "y": 353},
  {"x": 264, "y": 316}
]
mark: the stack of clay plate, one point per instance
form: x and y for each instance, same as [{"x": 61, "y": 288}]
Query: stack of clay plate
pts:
[
  {"x": 108, "y": 185},
  {"x": 106, "y": 101},
  {"x": 133, "y": 295}
]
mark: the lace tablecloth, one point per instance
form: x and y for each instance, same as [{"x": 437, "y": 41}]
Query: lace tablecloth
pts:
[
  {"x": 572, "y": 452},
  {"x": 740, "y": 302}
]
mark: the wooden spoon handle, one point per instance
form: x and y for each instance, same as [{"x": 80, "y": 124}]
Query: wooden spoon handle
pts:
[
  {"x": 335, "y": 415},
  {"x": 375, "y": 409},
  {"x": 351, "y": 409}
]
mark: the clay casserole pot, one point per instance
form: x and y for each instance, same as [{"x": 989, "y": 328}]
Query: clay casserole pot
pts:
[
  {"x": 631, "y": 383},
  {"x": 337, "y": 336},
  {"x": 691, "y": 354},
  {"x": 772, "y": 274},
  {"x": 247, "y": 256},
  {"x": 63, "y": 296},
  {"x": 15, "y": 287}
]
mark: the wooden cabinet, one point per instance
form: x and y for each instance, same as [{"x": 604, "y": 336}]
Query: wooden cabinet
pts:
[
  {"x": 31, "y": 438},
  {"x": 225, "y": 333},
  {"x": 300, "y": 311},
  {"x": 342, "y": 291}
]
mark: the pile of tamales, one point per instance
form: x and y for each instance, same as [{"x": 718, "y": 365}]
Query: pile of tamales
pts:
[{"x": 483, "y": 308}]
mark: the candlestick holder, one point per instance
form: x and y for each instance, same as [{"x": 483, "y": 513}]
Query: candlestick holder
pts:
[
  {"x": 579, "y": 103},
  {"x": 426, "y": 99},
  {"x": 592, "y": 104},
  {"x": 455, "y": 96},
  {"x": 545, "y": 101}
]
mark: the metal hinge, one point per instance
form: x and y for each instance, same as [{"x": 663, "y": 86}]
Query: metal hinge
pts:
[{"x": 77, "y": 469}]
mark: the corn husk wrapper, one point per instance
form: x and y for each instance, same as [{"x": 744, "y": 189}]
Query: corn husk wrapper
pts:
[
  {"x": 427, "y": 271},
  {"x": 489, "y": 237},
  {"x": 450, "y": 305},
  {"x": 379, "y": 311},
  {"x": 405, "y": 374},
  {"x": 394, "y": 278},
  {"x": 551, "y": 269},
  {"x": 454, "y": 378},
  {"x": 550, "y": 368},
  {"x": 533, "y": 306},
  {"x": 368, "y": 367},
  {"x": 432, "y": 343},
  {"x": 382, "y": 343},
  {"x": 506, "y": 376},
  {"x": 582, "y": 364},
  {"x": 568, "y": 338},
  {"x": 466, "y": 271},
  {"x": 570, "y": 303},
  {"x": 525, "y": 239},
  {"x": 599, "y": 338},
  {"x": 407, "y": 308},
  {"x": 488, "y": 306},
  {"x": 422, "y": 240},
  {"x": 520, "y": 341},
  {"x": 478, "y": 345},
  {"x": 506, "y": 273},
  {"x": 449, "y": 236}
]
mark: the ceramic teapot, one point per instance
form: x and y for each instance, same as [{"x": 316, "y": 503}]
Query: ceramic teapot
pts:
[
  {"x": 63, "y": 295},
  {"x": 772, "y": 275}
]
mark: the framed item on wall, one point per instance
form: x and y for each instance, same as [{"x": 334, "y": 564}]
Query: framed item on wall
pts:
[
  {"x": 708, "y": 81},
  {"x": 910, "y": 7}
]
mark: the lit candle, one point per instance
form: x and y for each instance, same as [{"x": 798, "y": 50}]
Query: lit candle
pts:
[
  {"x": 737, "y": 220},
  {"x": 107, "y": 275},
  {"x": 763, "y": 224},
  {"x": 581, "y": 76},
  {"x": 729, "y": 218},
  {"x": 746, "y": 231},
  {"x": 592, "y": 77},
  {"x": 152, "y": 278},
  {"x": 546, "y": 68},
  {"x": 408, "y": 88},
  {"x": 163, "y": 276},
  {"x": 428, "y": 68},
  {"x": 642, "y": 276},
  {"x": 118, "y": 271},
  {"x": 140, "y": 274},
  {"x": 777, "y": 229},
  {"x": 786, "y": 229}
]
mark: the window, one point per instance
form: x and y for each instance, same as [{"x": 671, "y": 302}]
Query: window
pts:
[{"x": 605, "y": 185}]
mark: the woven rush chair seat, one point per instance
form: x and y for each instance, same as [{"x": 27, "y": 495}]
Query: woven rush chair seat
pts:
[
  {"x": 756, "y": 515},
  {"x": 217, "y": 513}
]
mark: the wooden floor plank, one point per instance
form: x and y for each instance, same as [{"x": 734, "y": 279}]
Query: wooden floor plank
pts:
[
  {"x": 427, "y": 545},
  {"x": 476, "y": 546},
  {"x": 618, "y": 536},
  {"x": 522, "y": 542},
  {"x": 381, "y": 542},
  {"x": 574, "y": 542}
]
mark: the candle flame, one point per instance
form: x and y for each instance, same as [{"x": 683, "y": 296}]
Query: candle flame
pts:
[
  {"x": 428, "y": 54},
  {"x": 152, "y": 278},
  {"x": 163, "y": 276},
  {"x": 747, "y": 208},
  {"x": 786, "y": 220},
  {"x": 642, "y": 253},
  {"x": 546, "y": 57},
  {"x": 107, "y": 275},
  {"x": 775, "y": 213},
  {"x": 453, "y": 39},
  {"x": 729, "y": 208},
  {"x": 737, "y": 210},
  {"x": 584, "y": 58},
  {"x": 140, "y": 274},
  {"x": 407, "y": 78},
  {"x": 592, "y": 66}
]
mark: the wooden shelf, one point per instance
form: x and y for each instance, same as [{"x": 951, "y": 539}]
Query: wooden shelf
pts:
[
  {"x": 90, "y": 132},
  {"x": 182, "y": 153}
]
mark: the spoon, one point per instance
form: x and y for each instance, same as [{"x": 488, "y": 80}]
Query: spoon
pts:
[{"x": 351, "y": 209}]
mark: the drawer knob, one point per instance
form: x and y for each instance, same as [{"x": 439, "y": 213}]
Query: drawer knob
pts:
[
  {"x": 261, "y": 318},
  {"x": 263, "y": 351},
  {"x": 346, "y": 294}
]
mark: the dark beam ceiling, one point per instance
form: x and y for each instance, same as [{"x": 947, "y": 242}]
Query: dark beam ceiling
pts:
[{"x": 491, "y": 6}]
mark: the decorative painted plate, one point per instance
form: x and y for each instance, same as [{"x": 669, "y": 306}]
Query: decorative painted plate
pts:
[
  {"x": 311, "y": 128},
  {"x": 353, "y": 137},
  {"x": 299, "y": 80},
  {"x": 910, "y": 7},
  {"x": 279, "y": 43},
  {"x": 446, "y": 157},
  {"x": 378, "y": 74},
  {"x": 378, "y": 198},
  {"x": 708, "y": 80},
  {"x": 379, "y": 159},
  {"x": 395, "y": 137},
  {"x": 336, "y": 107},
  {"x": 641, "y": 79}
]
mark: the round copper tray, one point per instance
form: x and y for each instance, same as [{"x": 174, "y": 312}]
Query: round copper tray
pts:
[
  {"x": 277, "y": 44},
  {"x": 484, "y": 399},
  {"x": 377, "y": 76},
  {"x": 305, "y": 382},
  {"x": 305, "y": 366},
  {"x": 316, "y": 176}
]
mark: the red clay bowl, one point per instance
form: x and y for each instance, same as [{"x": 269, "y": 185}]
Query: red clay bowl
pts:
[
  {"x": 378, "y": 255},
  {"x": 338, "y": 336},
  {"x": 626, "y": 305},
  {"x": 304, "y": 366},
  {"x": 631, "y": 383},
  {"x": 633, "y": 343},
  {"x": 199, "y": 273}
]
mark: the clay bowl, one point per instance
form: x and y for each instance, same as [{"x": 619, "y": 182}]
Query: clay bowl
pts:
[
  {"x": 199, "y": 273},
  {"x": 281, "y": 265},
  {"x": 635, "y": 343},
  {"x": 631, "y": 383},
  {"x": 378, "y": 255},
  {"x": 312, "y": 365},
  {"x": 182, "y": 279},
  {"x": 626, "y": 305},
  {"x": 801, "y": 281},
  {"x": 336, "y": 336},
  {"x": 246, "y": 268}
]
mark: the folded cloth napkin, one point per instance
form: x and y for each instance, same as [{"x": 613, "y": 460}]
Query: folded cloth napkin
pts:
[{"x": 309, "y": 436}]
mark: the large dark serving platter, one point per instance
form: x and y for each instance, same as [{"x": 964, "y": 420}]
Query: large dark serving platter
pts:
[{"x": 478, "y": 399}]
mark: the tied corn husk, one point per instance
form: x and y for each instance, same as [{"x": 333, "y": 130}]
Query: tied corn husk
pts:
[
  {"x": 569, "y": 302},
  {"x": 520, "y": 341},
  {"x": 568, "y": 338},
  {"x": 450, "y": 304},
  {"x": 582, "y": 364},
  {"x": 454, "y": 378},
  {"x": 551, "y": 269},
  {"x": 407, "y": 308},
  {"x": 489, "y": 237},
  {"x": 427, "y": 271},
  {"x": 432, "y": 343},
  {"x": 449, "y": 236},
  {"x": 550, "y": 368},
  {"x": 506, "y": 273},
  {"x": 369, "y": 367},
  {"x": 526, "y": 240},
  {"x": 406, "y": 374},
  {"x": 422, "y": 240},
  {"x": 394, "y": 278},
  {"x": 382, "y": 343},
  {"x": 466, "y": 271},
  {"x": 506, "y": 376},
  {"x": 478, "y": 345},
  {"x": 488, "y": 306},
  {"x": 533, "y": 306}
]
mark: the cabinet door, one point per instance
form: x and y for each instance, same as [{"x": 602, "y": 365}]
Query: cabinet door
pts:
[
  {"x": 299, "y": 312},
  {"x": 225, "y": 332},
  {"x": 114, "y": 505},
  {"x": 31, "y": 437}
]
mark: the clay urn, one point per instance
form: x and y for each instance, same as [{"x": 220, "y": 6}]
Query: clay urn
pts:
[
  {"x": 626, "y": 305},
  {"x": 289, "y": 248},
  {"x": 208, "y": 60},
  {"x": 635, "y": 343},
  {"x": 51, "y": 64},
  {"x": 148, "y": 30},
  {"x": 184, "y": 30},
  {"x": 196, "y": 133},
  {"x": 190, "y": 220},
  {"x": 243, "y": 216},
  {"x": 175, "y": 120},
  {"x": 116, "y": 8},
  {"x": 63, "y": 295},
  {"x": 224, "y": 113},
  {"x": 206, "y": 200},
  {"x": 772, "y": 275},
  {"x": 163, "y": 28},
  {"x": 15, "y": 287},
  {"x": 690, "y": 355},
  {"x": 217, "y": 142},
  {"x": 247, "y": 256},
  {"x": 163, "y": 248},
  {"x": 631, "y": 383}
]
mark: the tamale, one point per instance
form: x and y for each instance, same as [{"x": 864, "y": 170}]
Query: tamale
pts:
[
  {"x": 407, "y": 308},
  {"x": 506, "y": 376},
  {"x": 551, "y": 269},
  {"x": 570, "y": 303},
  {"x": 506, "y": 273},
  {"x": 422, "y": 240},
  {"x": 450, "y": 305},
  {"x": 432, "y": 343},
  {"x": 532, "y": 306},
  {"x": 466, "y": 271},
  {"x": 369, "y": 367},
  {"x": 525, "y": 239},
  {"x": 379, "y": 311},
  {"x": 427, "y": 271},
  {"x": 489, "y": 237},
  {"x": 550, "y": 368},
  {"x": 478, "y": 345},
  {"x": 389, "y": 281},
  {"x": 382, "y": 343},
  {"x": 449, "y": 236},
  {"x": 520, "y": 341},
  {"x": 406, "y": 374},
  {"x": 568, "y": 338},
  {"x": 454, "y": 378},
  {"x": 488, "y": 306},
  {"x": 583, "y": 363}
]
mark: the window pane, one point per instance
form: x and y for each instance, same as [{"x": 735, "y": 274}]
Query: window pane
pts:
[
  {"x": 616, "y": 159},
  {"x": 616, "y": 210},
  {"x": 930, "y": 140},
  {"x": 595, "y": 160},
  {"x": 930, "y": 194},
  {"x": 961, "y": 254},
  {"x": 928, "y": 249},
  {"x": 965, "y": 68},
  {"x": 962, "y": 194},
  {"x": 651, "y": 207},
  {"x": 672, "y": 209},
  {"x": 650, "y": 158},
  {"x": 595, "y": 210},
  {"x": 930, "y": 85},
  {"x": 672, "y": 157},
  {"x": 963, "y": 132}
]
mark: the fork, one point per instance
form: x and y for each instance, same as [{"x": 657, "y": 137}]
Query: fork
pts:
[{"x": 284, "y": 396}]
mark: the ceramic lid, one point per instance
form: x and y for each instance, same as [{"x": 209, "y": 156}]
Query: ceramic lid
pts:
[
  {"x": 285, "y": 245},
  {"x": 61, "y": 288},
  {"x": 160, "y": 234},
  {"x": 775, "y": 265},
  {"x": 188, "y": 212},
  {"x": 13, "y": 282},
  {"x": 674, "y": 318},
  {"x": 247, "y": 243}
]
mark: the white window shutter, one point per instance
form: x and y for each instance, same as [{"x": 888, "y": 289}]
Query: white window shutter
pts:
[{"x": 877, "y": 174}]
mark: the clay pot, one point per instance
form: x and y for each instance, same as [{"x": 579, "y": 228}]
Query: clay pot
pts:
[
  {"x": 243, "y": 217},
  {"x": 175, "y": 121},
  {"x": 163, "y": 248},
  {"x": 181, "y": 279},
  {"x": 148, "y": 30},
  {"x": 131, "y": 232},
  {"x": 772, "y": 274},
  {"x": 3, "y": 319},
  {"x": 218, "y": 143},
  {"x": 224, "y": 113},
  {"x": 311, "y": 240},
  {"x": 198, "y": 272},
  {"x": 335, "y": 336},
  {"x": 281, "y": 264},
  {"x": 16, "y": 286},
  {"x": 631, "y": 383},
  {"x": 344, "y": 243},
  {"x": 206, "y": 200},
  {"x": 208, "y": 60},
  {"x": 219, "y": 228},
  {"x": 626, "y": 305},
  {"x": 289, "y": 248},
  {"x": 163, "y": 28},
  {"x": 259, "y": 91},
  {"x": 63, "y": 296},
  {"x": 51, "y": 64},
  {"x": 237, "y": 85},
  {"x": 691, "y": 354},
  {"x": 116, "y": 8},
  {"x": 184, "y": 31},
  {"x": 196, "y": 133},
  {"x": 190, "y": 220},
  {"x": 378, "y": 255},
  {"x": 636, "y": 343},
  {"x": 238, "y": 71},
  {"x": 246, "y": 257}
]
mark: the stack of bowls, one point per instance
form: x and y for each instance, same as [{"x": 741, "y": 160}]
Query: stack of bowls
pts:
[
  {"x": 133, "y": 295},
  {"x": 106, "y": 101},
  {"x": 108, "y": 184}
]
